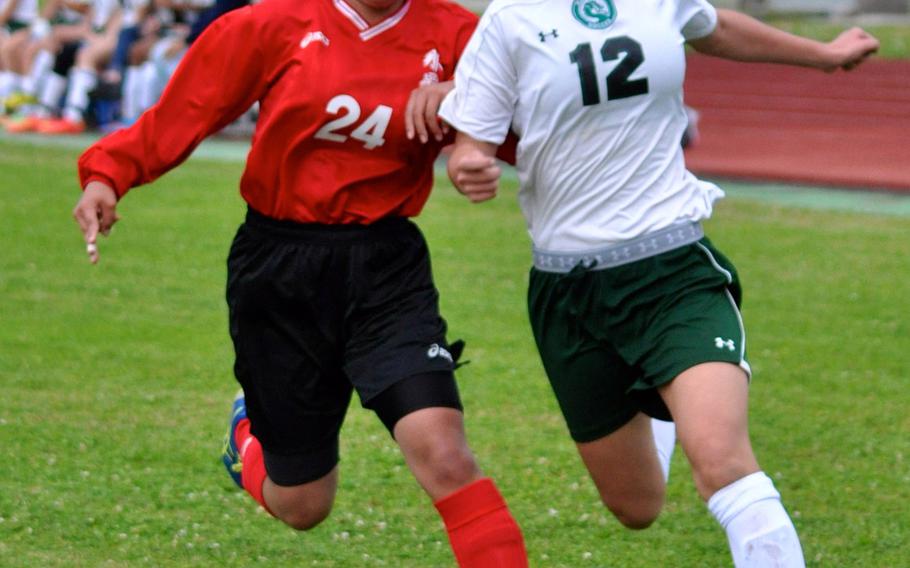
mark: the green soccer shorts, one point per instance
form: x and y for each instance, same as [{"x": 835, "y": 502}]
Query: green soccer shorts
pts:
[{"x": 609, "y": 337}]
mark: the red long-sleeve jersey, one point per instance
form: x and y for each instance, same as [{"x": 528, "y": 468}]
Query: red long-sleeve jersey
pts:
[{"x": 330, "y": 144}]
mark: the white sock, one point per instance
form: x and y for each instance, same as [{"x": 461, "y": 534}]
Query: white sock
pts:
[
  {"x": 52, "y": 91},
  {"x": 665, "y": 440},
  {"x": 82, "y": 81},
  {"x": 41, "y": 66},
  {"x": 760, "y": 532},
  {"x": 8, "y": 83}
]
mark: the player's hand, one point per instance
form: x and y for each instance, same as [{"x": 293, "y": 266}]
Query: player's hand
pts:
[
  {"x": 849, "y": 49},
  {"x": 96, "y": 212},
  {"x": 420, "y": 117},
  {"x": 475, "y": 174}
]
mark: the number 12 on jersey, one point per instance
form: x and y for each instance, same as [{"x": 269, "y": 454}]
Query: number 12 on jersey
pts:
[{"x": 618, "y": 84}]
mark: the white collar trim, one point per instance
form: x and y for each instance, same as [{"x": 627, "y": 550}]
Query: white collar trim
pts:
[{"x": 367, "y": 32}]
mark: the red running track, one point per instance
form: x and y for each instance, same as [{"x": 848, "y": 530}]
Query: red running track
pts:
[{"x": 779, "y": 123}]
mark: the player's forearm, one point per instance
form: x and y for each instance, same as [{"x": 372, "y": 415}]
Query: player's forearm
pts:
[
  {"x": 473, "y": 169},
  {"x": 743, "y": 38},
  {"x": 467, "y": 147}
]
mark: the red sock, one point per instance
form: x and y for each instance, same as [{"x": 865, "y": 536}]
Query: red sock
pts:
[
  {"x": 253, "y": 475},
  {"x": 482, "y": 532}
]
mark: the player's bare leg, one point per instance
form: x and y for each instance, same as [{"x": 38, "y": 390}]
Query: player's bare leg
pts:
[
  {"x": 481, "y": 530},
  {"x": 710, "y": 405},
  {"x": 627, "y": 473},
  {"x": 434, "y": 446}
]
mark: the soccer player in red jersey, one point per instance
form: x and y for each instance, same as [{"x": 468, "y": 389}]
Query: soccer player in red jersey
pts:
[{"x": 329, "y": 284}]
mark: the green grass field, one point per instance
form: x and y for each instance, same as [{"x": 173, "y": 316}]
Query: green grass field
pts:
[{"x": 116, "y": 383}]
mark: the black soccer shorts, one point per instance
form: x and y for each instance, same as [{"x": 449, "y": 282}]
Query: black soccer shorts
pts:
[{"x": 317, "y": 311}]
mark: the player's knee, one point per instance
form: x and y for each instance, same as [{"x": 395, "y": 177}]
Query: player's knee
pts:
[
  {"x": 308, "y": 517},
  {"x": 637, "y": 515},
  {"x": 713, "y": 472},
  {"x": 450, "y": 465}
]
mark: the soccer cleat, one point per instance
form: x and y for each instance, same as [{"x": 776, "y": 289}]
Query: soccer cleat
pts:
[
  {"x": 16, "y": 101},
  {"x": 230, "y": 453},
  {"x": 23, "y": 124},
  {"x": 59, "y": 126}
]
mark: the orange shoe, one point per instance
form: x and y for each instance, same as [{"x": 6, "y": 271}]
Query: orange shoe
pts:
[
  {"x": 24, "y": 124},
  {"x": 60, "y": 126}
]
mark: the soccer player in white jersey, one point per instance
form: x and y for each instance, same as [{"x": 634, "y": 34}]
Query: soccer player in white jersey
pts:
[{"x": 635, "y": 313}]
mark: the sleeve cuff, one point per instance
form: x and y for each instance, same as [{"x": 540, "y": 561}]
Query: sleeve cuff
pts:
[{"x": 105, "y": 180}]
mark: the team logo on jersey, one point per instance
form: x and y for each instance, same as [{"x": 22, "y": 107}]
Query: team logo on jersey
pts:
[
  {"x": 310, "y": 37},
  {"x": 595, "y": 14},
  {"x": 432, "y": 68}
]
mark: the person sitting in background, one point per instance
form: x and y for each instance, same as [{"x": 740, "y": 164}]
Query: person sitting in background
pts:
[
  {"x": 15, "y": 18},
  {"x": 92, "y": 56},
  {"x": 89, "y": 24}
]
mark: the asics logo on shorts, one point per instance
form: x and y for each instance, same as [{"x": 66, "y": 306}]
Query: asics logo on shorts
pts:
[
  {"x": 721, "y": 343},
  {"x": 436, "y": 351}
]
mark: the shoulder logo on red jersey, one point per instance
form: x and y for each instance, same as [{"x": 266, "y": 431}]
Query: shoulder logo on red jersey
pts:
[
  {"x": 310, "y": 37},
  {"x": 432, "y": 68}
]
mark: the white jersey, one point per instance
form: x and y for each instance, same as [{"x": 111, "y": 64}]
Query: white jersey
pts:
[
  {"x": 25, "y": 11},
  {"x": 593, "y": 89}
]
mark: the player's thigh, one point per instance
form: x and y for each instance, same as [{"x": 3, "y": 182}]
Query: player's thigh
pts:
[
  {"x": 13, "y": 45},
  {"x": 95, "y": 52},
  {"x": 67, "y": 33},
  {"x": 709, "y": 403}
]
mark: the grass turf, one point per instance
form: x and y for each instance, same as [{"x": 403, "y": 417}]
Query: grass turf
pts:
[{"x": 117, "y": 383}]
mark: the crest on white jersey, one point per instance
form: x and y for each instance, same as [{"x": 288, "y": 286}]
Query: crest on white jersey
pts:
[
  {"x": 310, "y": 37},
  {"x": 433, "y": 67},
  {"x": 595, "y": 14}
]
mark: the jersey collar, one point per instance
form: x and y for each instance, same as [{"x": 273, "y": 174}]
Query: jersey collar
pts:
[{"x": 366, "y": 31}]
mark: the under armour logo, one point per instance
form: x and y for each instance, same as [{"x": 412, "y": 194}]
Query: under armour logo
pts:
[
  {"x": 310, "y": 37},
  {"x": 720, "y": 343},
  {"x": 543, "y": 36}
]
